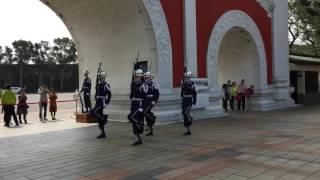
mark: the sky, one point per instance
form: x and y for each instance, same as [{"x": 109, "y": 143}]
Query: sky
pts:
[{"x": 29, "y": 20}]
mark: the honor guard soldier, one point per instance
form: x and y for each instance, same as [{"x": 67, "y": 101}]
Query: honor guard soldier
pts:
[
  {"x": 189, "y": 98},
  {"x": 103, "y": 96},
  {"x": 150, "y": 100},
  {"x": 137, "y": 95},
  {"x": 86, "y": 89}
]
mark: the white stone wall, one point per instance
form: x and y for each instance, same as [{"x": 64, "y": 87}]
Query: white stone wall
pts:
[
  {"x": 281, "y": 76},
  {"x": 191, "y": 36}
]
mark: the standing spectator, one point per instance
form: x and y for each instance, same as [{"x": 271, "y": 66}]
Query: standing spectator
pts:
[
  {"x": 242, "y": 95},
  {"x": 249, "y": 93},
  {"x": 8, "y": 101},
  {"x": 53, "y": 104},
  {"x": 229, "y": 85},
  {"x": 22, "y": 106},
  {"x": 43, "y": 103},
  {"x": 226, "y": 96},
  {"x": 233, "y": 93}
]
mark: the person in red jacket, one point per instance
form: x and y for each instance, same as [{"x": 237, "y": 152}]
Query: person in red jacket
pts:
[
  {"x": 22, "y": 106},
  {"x": 53, "y": 104}
]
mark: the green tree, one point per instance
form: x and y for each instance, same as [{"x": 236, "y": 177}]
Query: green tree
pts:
[
  {"x": 64, "y": 52},
  {"x": 304, "y": 23},
  {"x": 24, "y": 50},
  {"x": 312, "y": 6},
  {"x": 294, "y": 21},
  {"x": 41, "y": 57},
  {"x": 1, "y": 54},
  {"x": 9, "y": 59}
]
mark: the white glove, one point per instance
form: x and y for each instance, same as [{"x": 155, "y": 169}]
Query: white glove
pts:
[
  {"x": 153, "y": 102},
  {"x": 105, "y": 111},
  {"x": 140, "y": 110}
]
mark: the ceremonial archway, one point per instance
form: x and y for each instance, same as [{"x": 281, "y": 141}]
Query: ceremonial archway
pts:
[
  {"x": 238, "y": 58},
  {"x": 233, "y": 27},
  {"x": 115, "y": 31}
]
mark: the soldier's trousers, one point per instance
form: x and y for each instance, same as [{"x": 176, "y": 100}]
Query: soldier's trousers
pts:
[
  {"x": 136, "y": 117},
  {"x": 87, "y": 101},
  {"x": 97, "y": 111},
  {"x": 186, "y": 107},
  {"x": 149, "y": 115}
]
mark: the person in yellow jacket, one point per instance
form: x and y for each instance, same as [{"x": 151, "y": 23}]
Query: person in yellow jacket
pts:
[
  {"x": 8, "y": 100},
  {"x": 233, "y": 93}
]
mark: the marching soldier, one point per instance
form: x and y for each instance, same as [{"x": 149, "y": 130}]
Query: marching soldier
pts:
[
  {"x": 103, "y": 96},
  {"x": 138, "y": 93},
  {"x": 150, "y": 100},
  {"x": 189, "y": 98},
  {"x": 86, "y": 89}
]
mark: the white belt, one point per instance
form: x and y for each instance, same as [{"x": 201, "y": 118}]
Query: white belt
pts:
[{"x": 101, "y": 97}]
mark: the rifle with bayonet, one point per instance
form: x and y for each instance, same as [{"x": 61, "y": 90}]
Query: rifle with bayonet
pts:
[
  {"x": 185, "y": 70},
  {"x": 81, "y": 102},
  {"x": 132, "y": 76},
  {"x": 97, "y": 77}
]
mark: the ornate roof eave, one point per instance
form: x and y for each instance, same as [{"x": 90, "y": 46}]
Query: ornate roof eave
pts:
[{"x": 267, "y": 5}]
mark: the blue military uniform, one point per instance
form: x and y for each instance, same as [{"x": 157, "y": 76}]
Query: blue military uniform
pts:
[
  {"x": 152, "y": 97},
  {"x": 138, "y": 93},
  {"x": 103, "y": 96},
  {"x": 189, "y": 98},
  {"x": 86, "y": 89}
]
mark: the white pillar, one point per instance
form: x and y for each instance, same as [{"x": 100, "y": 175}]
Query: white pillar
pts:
[
  {"x": 281, "y": 73},
  {"x": 190, "y": 24}
]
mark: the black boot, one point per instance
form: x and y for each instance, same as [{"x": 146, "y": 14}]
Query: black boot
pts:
[
  {"x": 151, "y": 132},
  {"x": 102, "y": 135},
  {"x": 188, "y": 133},
  {"x": 137, "y": 143}
]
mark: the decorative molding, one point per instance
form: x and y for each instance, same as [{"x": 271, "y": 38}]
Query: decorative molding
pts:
[
  {"x": 163, "y": 40},
  {"x": 229, "y": 20},
  {"x": 268, "y": 5}
]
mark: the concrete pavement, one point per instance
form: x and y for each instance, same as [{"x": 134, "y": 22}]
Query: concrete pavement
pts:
[{"x": 255, "y": 145}]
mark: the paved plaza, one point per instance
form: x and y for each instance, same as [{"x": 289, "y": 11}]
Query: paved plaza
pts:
[{"x": 255, "y": 145}]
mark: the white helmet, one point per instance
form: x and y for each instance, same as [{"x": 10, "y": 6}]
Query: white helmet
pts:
[
  {"x": 86, "y": 72},
  {"x": 188, "y": 74},
  {"x": 147, "y": 74},
  {"x": 138, "y": 72},
  {"x": 102, "y": 74}
]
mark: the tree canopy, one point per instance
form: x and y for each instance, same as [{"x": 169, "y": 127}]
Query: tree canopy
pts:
[
  {"x": 63, "y": 51},
  {"x": 24, "y": 52},
  {"x": 304, "y": 25}
]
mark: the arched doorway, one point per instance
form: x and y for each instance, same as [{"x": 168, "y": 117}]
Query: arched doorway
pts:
[
  {"x": 113, "y": 32},
  {"x": 238, "y": 58},
  {"x": 232, "y": 22},
  {"x": 228, "y": 30}
]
